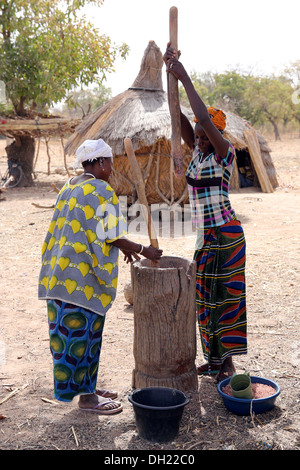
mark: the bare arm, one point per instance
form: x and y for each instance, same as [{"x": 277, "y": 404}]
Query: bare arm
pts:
[
  {"x": 130, "y": 249},
  {"x": 199, "y": 108},
  {"x": 219, "y": 143},
  {"x": 187, "y": 130}
]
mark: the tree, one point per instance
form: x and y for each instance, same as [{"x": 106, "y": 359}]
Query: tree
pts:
[
  {"x": 204, "y": 85},
  {"x": 229, "y": 92},
  {"x": 257, "y": 99},
  {"x": 270, "y": 100},
  {"x": 226, "y": 91},
  {"x": 82, "y": 102},
  {"x": 293, "y": 72},
  {"x": 47, "y": 49}
]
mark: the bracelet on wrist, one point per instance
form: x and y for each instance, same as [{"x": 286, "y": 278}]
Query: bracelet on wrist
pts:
[{"x": 141, "y": 249}]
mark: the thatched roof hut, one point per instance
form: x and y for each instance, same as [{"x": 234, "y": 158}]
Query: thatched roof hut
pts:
[{"x": 142, "y": 114}]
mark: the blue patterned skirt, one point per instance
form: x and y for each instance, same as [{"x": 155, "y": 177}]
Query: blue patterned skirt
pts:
[{"x": 75, "y": 343}]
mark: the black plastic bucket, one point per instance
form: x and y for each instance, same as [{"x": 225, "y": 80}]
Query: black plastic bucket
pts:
[{"x": 158, "y": 412}]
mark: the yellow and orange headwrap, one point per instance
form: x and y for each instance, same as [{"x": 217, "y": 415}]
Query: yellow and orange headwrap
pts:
[{"x": 217, "y": 116}]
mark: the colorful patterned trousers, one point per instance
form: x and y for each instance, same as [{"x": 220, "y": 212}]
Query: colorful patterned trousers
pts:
[
  {"x": 75, "y": 343},
  {"x": 221, "y": 292}
]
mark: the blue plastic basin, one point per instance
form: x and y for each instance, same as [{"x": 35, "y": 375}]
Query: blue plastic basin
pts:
[{"x": 244, "y": 406}]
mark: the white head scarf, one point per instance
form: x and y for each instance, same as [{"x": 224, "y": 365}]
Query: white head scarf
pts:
[{"x": 91, "y": 150}]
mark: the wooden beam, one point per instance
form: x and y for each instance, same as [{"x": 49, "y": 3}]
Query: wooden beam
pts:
[
  {"x": 33, "y": 124},
  {"x": 255, "y": 154},
  {"x": 174, "y": 103}
]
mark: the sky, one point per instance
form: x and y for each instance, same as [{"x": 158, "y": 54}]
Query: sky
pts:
[{"x": 258, "y": 36}]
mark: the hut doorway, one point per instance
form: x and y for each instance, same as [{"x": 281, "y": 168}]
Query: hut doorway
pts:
[{"x": 246, "y": 172}]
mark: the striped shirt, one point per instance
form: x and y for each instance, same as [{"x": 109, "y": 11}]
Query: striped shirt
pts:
[{"x": 208, "y": 184}]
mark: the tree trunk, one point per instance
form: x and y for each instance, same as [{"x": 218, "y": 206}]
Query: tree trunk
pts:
[
  {"x": 274, "y": 124},
  {"x": 164, "y": 301},
  {"x": 276, "y": 130},
  {"x": 22, "y": 151}
]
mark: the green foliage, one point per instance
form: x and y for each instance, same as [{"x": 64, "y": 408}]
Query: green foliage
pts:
[
  {"x": 258, "y": 99},
  {"x": 293, "y": 73},
  {"x": 48, "y": 49},
  {"x": 269, "y": 97},
  {"x": 79, "y": 103}
]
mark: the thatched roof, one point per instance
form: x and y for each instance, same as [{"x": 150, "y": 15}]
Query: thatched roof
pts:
[
  {"x": 234, "y": 132},
  {"x": 142, "y": 114}
]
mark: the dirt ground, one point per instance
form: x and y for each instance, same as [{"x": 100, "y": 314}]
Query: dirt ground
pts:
[{"x": 31, "y": 419}]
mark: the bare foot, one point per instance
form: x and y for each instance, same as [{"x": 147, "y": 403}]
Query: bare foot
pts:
[
  {"x": 227, "y": 370},
  {"x": 204, "y": 369}
]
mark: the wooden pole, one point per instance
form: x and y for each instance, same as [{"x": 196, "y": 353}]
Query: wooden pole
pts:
[
  {"x": 255, "y": 153},
  {"x": 48, "y": 153},
  {"x": 140, "y": 189},
  {"x": 174, "y": 103}
]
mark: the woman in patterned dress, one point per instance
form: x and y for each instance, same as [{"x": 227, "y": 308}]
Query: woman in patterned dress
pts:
[
  {"x": 220, "y": 250},
  {"x": 79, "y": 273}
]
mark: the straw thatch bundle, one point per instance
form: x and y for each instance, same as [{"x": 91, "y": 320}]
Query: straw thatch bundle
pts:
[{"x": 142, "y": 114}]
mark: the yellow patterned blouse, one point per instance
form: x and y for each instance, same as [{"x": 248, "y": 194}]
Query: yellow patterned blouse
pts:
[{"x": 79, "y": 263}]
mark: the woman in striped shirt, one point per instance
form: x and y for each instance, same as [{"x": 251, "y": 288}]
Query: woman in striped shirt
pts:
[{"x": 220, "y": 249}]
